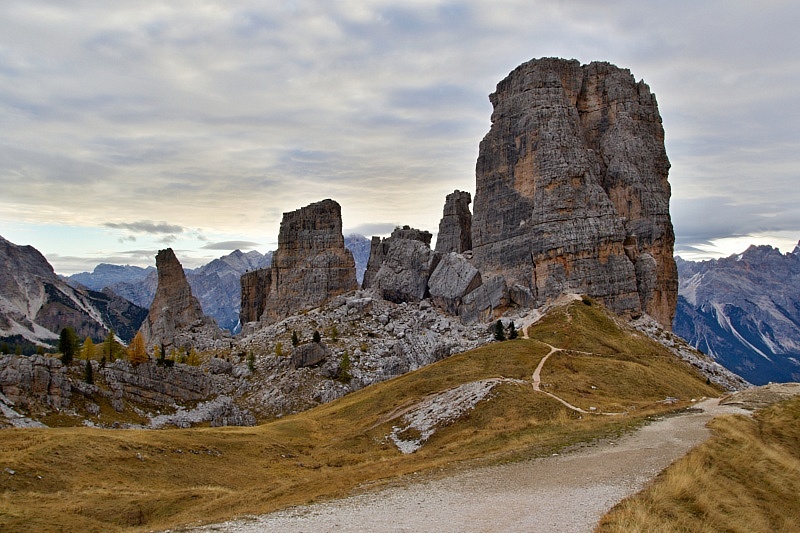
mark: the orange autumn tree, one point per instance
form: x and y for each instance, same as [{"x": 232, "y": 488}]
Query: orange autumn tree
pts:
[{"x": 137, "y": 352}]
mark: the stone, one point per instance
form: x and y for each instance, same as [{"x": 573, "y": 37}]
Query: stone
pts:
[
  {"x": 571, "y": 181},
  {"x": 310, "y": 266},
  {"x": 399, "y": 266},
  {"x": 404, "y": 274},
  {"x": 455, "y": 228},
  {"x": 175, "y": 319},
  {"x": 485, "y": 302},
  {"x": 453, "y": 279},
  {"x": 379, "y": 249},
  {"x": 309, "y": 354}
]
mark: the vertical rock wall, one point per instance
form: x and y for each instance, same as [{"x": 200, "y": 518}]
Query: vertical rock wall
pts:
[
  {"x": 310, "y": 266},
  {"x": 572, "y": 191}
]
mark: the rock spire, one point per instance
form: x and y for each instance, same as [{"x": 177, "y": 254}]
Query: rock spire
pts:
[
  {"x": 310, "y": 266},
  {"x": 455, "y": 228},
  {"x": 572, "y": 191},
  {"x": 176, "y": 319}
]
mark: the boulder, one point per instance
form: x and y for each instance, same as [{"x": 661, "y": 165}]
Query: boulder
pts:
[
  {"x": 309, "y": 354},
  {"x": 453, "y": 278},
  {"x": 485, "y": 302},
  {"x": 406, "y": 261}
]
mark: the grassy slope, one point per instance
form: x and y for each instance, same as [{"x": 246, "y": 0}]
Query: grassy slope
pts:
[
  {"x": 746, "y": 478},
  {"x": 100, "y": 480}
]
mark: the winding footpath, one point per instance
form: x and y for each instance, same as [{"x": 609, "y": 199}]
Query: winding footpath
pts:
[{"x": 566, "y": 493}]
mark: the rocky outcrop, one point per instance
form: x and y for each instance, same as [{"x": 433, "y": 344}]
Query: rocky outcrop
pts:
[
  {"x": 176, "y": 319},
  {"x": 572, "y": 192},
  {"x": 255, "y": 287},
  {"x": 158, "y": 385},
  {"x": 403, "y": 268},
  {"x": 455, "y": 228},
  {"x": 400, "y": 265},
  {"x": 35, "y": 379},
  {"x": 310, "y": 266}
]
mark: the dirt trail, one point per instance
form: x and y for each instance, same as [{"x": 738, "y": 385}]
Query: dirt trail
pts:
[{"x": 565, "y": 493}]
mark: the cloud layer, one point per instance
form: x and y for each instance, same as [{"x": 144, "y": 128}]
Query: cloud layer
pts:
[{"x": 215, "y": 117}]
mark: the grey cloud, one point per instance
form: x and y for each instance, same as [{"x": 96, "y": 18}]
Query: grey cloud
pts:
[
  {"x": 230, "y": 245},
  {"x": 145, "y": 226},
  {"x": 250, "y": 112},
  {"x": 372, "y": 228}
]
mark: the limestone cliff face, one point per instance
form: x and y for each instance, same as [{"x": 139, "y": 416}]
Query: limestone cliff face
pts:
[
  {"x": 310, "y": 266},
  {"x": 572, "y": 191},
  {"x": 455, "y": 228},
  {"x": 176, "y": 318}
]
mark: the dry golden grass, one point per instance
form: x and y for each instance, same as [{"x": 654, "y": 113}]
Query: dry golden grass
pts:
[
  {"x": 82, "y": 479},
  {"x": 746, "y": 478}
]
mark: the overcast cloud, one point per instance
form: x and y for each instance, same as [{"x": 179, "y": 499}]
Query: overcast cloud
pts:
[{"x": 215, "y": 117}]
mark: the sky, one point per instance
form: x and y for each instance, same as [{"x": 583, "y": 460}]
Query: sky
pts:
[{"x": 126, "y": 127}]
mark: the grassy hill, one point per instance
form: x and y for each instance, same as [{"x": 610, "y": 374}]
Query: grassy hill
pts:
[
  {"x": 745, "y": 478},
  {"x": 84, "y": 479}
]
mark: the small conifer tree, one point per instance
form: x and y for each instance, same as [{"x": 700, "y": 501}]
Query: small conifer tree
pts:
[
  {"x": 88, "y": 372},
  {"x": 512, "y": 331},
  {"x": 67, "y": 343},
  {"x": 344, "y": 368},
  {"x": 499, "y": 331},
  {"x": 295, "y": 339},
  {"x": 137, "y": 353},
  {"x": 316, "y": 337},
  {"x": 88, "y": 349}
]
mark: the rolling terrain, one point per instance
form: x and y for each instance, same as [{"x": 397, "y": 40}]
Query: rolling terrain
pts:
[{"x": 477, "y": 407}]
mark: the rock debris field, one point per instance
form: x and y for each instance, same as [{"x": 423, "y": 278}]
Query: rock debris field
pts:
[{"x": 563, "y": 493}]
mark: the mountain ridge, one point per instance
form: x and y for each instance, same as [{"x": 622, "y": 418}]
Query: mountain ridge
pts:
[{"x": 744, "y": 310}]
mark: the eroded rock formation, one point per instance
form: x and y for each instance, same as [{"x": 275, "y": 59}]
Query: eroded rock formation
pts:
[
  {"x": 310, "y": 266},
  {"x": 572, "y": 191},
  {"x": 455, "y": 228},
  {"x": 399, "y": 266},
  {"x": 176, "y": 319}
]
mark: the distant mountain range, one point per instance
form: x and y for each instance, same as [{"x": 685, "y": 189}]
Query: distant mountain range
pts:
[
  {"x": 744, "y": 311},
  {"x": 35, "y": 303},
  {"x": 215, "y": 284}
]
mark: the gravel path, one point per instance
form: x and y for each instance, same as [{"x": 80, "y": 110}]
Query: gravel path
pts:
[{"x": 565, "y": 493}]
